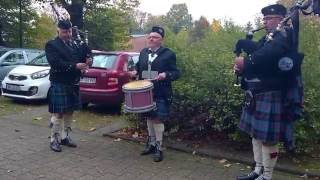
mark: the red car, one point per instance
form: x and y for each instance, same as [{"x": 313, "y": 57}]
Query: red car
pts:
[{"x": 102, "y": 83}]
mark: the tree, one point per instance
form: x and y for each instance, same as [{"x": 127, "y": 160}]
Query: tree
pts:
[
  {"x": 154, "y": 21},
  {"x": 178, "y": 18},
  {"x": 199, "y": 30},
  {"x": 43, "y": 30},
  {"x": 9, "y": 21},
  {"x": 107, "y": 29},
  {"x": 108, "y": 22},
  {"x": 216, "y": 25},
  {"x": 248, "y": 27}
]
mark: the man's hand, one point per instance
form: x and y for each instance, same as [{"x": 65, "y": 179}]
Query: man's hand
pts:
[
  {"x": 133, "y": 74},
  {"x": 89, "y": 61},
  {"x": 161, "y": 76},
  {"x": 238, "y": 65},
  {"x": 82, "y": 66}
]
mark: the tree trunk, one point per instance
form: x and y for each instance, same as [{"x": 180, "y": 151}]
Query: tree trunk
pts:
[{"x": 75, "y": 10}]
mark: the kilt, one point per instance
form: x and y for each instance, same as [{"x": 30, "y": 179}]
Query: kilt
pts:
[
  {"x": 266, "y": 120},
  {"x": 161, "y": 111},
  {"x": 63, "y": 98}
]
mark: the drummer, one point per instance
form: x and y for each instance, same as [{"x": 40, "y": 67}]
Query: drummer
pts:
[{"x": 158, "y": 64}]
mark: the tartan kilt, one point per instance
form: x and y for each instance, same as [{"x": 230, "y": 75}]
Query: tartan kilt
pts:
[
  {"x": 63, "y": 98},
  {"x": 162, "y": 110},
  {"x": 266, "y": 120}
]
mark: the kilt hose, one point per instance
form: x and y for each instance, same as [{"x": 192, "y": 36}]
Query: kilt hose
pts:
[{"x": 63, "y": 98}]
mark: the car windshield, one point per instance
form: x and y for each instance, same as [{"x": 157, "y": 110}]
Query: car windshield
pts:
[
  {"x": 2, "y": 51},
  {"x": 41, "y": 60},
  {"x": 33, "y": 54},
  {"x": 104, "y": 61}
]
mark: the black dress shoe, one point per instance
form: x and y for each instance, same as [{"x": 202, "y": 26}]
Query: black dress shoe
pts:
[
  {"x": 150, "y": 149},
  {"x": 158, "y": 155},
  {"x": 251, "y": 176},
  {"x": 260, "y": 178},
  {"x": 54, "y": 145},
  {"x": 68, "y": 142}
]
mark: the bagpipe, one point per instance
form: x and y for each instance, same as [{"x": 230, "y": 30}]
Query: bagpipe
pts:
[
  {"x": 306, "y": 7},
  {"x": 79, "y": 38}
]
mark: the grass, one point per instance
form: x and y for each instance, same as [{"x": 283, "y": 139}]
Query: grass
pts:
[
  {"x": 88, "y": 119},
  {"x": 8, "y": 106}
]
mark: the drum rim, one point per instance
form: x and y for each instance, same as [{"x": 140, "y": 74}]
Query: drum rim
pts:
[
  {"x": 138, "y": 88},
  {"x": 140, "y": 109}
]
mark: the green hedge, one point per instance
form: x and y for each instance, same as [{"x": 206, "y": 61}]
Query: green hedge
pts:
[{"x": 205, "y": 99}]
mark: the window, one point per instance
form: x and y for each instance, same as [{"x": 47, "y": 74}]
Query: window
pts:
[
  {"x": 104, "y": 61},
  {"x": 40, "y": 61},
  {"x": 15, "y": 58},
  {"x": 135, "y": 58},
  {"x": 2, "y": 52},
  {"x": 32, "y": 54},
  {"x": 125, "y": 66},
  {"x": 131, "y": 64}
]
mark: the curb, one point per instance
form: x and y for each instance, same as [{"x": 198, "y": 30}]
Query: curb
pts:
[{"x": 183, "y": 148}]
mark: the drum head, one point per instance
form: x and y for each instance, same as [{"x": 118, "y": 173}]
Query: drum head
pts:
[{"x": 137, "y": 85}]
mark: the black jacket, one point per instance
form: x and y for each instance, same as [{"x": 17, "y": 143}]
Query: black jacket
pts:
[
  {"x": 63, "y": 60},
  {"x": 263, "y": 62},
  {"x": 165, "y": 62}
]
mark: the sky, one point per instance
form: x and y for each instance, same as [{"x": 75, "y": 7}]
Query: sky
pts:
[{"x": 240, "y": 11}]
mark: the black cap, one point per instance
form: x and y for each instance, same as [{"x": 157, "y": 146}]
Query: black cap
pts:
[
  {"x": 158, "y": 30},
  {"x": 275, "y": 9},
  {"x": 64, "y": 24}
]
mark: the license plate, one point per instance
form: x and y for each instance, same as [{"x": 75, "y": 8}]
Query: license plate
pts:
[
  {"x": 88, "y": 80},
  {"x": 12, "y": 87}
]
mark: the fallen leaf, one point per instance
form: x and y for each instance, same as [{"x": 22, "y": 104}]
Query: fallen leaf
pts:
[
  {"x": 227, "y": 165},
  {"x": 92, "y": 129},
  {"x": 74, "y": 120},
  {"x": 248, "y": 167},
  {"x": 222, "y": 161},
  {"x": 196, "y": 146},
  {"x": 304, "y": 176},
  {"x": 117, "y": 140},
  {"x": 83, "y": 140},
  {"x": 21, "y": 137},
  {"x": 194, "y": 152},
  {"x": 37, "y": 118},
  {"x": 242, "y": 169},
  {"x": 135, "y": 135},
  {"x": 41, "y": 176}
]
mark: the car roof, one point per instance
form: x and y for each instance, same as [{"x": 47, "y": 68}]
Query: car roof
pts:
[
  {"x": 25, "y": 49},
  {"x": 115, "y": 52}
]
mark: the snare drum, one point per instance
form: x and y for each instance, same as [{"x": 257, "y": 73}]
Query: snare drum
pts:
[{"x": 138, "y": 96}]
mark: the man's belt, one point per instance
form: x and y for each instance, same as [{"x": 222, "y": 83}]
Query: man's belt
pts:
[{"x": 265, "y": 85}]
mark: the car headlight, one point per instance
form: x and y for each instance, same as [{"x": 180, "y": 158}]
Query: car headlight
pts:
[{"x": 40, "y": 74}]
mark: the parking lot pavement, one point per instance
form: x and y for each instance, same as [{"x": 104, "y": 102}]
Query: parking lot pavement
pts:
[{"x": 25, "y": 154}]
